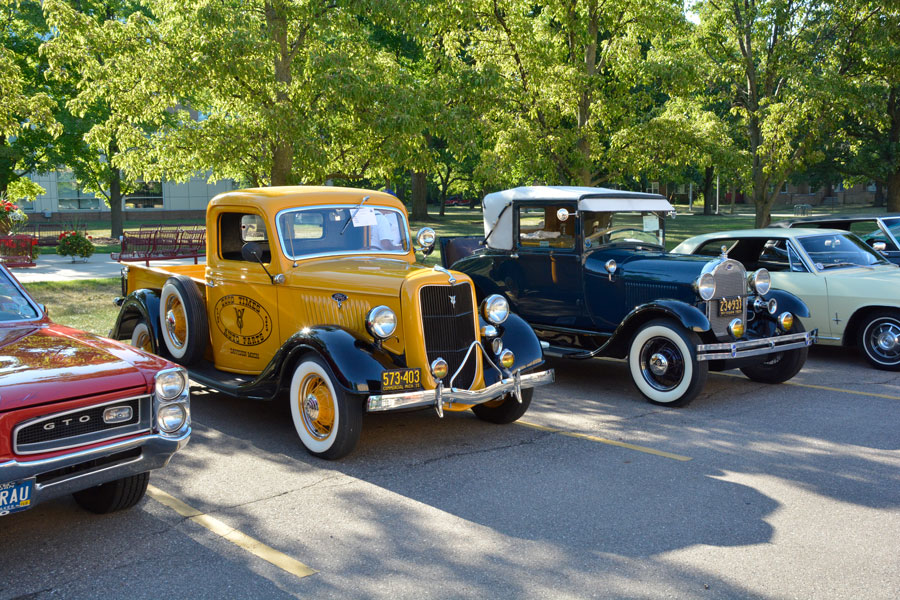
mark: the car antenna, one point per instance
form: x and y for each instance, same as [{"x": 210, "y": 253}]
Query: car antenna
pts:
[{"x": 358, "y": 206}]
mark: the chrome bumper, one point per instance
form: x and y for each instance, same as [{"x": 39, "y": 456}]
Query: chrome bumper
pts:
[
  {"x": 439, "y": 396},
  {"x": 87, "y": 468},
  {"x": 779, "y": 343}
]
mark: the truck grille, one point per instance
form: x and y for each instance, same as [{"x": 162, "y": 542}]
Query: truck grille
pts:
[
  {"x": 448, "y": 320},
  {"x": 731, "y": 281},
  {"x": 80, "y": 427}
]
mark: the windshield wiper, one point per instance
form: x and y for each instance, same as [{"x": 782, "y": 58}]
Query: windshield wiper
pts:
[
  {"x": 350, "y": 217},
  {"x": 842, "y": 264}
]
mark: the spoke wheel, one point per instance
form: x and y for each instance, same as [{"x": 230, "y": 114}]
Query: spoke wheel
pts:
[
  {"x": 142, "y": 338},
  {"x": 879, "y": 339},
  {"x": 662, "y": 358},
  {"x": 182, "y": 314},
  {"x": 328, "y": 420}
]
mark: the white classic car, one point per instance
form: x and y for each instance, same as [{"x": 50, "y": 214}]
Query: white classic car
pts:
[{"x": 851, "y": 290}]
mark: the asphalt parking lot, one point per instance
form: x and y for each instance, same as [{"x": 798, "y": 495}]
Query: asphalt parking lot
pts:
[{"x": 752, "y": 491}]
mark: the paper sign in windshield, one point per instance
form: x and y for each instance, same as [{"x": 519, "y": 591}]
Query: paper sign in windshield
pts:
[
  {"x": 651, "y": 223},
  {"x": 364, "y": 217}
]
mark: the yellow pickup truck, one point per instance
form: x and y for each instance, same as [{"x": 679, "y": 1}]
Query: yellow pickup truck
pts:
[{"x": 314, "y": 293}]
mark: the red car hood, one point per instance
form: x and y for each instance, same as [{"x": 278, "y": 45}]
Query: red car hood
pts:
[{"x": 44, "y": 363}]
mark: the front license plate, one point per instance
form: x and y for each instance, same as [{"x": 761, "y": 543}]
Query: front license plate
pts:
[
  {"x": 15, "y": 496},
  {"x": 400, "y": 380},
  {"x": 731, "y": 307}
]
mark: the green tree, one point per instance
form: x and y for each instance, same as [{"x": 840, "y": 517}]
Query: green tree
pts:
[
  {"x": 572, "y": 75},
  {"x": 776, "y": 57},
  {"x": 28, "y": 104}
]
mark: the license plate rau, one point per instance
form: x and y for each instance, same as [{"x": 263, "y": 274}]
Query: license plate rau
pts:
[{"x": 15, "y": 496}]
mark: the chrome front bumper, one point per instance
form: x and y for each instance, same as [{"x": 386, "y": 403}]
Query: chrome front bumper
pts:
[
  {"x": 80, "y": 470},
  {"x": 439, "y": 396},
  {"x": 779, "y": 343}
]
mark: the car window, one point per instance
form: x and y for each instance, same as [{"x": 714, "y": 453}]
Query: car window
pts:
[
  {"x": 780, "y": 255},
  {"x": 870, "y": 232},
  {"x": 714, "y": 247},
  {"x": 893, "y": 226},
  {"x": 238, "y": 228},
  {"x": 540, "y": 228},
  {"x": 14, "y": 306},
  {"x": 612, "y": 227},
  {"x": 832, "y": 251},
  {"x": 323, "y": 230}
]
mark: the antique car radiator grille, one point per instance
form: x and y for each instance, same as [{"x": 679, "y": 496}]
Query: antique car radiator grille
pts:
[
  {"x": 83, "y": 426},
  {"x": 731, "y": 281},
  {"x": 449, "y": 328}
]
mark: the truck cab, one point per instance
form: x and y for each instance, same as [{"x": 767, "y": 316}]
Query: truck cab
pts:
[{"x": 316, "y": 292}]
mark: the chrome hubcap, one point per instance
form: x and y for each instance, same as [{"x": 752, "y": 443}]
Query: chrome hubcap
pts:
[
  {"x": 887, "y": 340},
  {"x": 171, "y": 327},
  {"x": 311, "y": 407},
  {"x": 658, "y": 364}
]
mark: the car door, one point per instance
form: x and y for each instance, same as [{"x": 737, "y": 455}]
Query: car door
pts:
[{"x": 546, "y": 287}]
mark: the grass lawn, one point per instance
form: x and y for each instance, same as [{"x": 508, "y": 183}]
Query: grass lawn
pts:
[{"x": 86, "y": 304}]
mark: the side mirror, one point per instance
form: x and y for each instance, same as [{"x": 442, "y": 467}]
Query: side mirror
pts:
[
  {"x": 426, "y": 238},
  {"x": 252, "y": 252},
  {"x": 879, "y": 246}
]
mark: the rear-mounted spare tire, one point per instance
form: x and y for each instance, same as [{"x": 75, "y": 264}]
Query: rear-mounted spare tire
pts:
[{"x": 182, "y": 314}]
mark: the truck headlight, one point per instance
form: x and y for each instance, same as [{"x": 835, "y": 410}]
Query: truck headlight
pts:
[
  {"x": 785, "y": 321},
  {"x": 760, "y": 281},
  {"x": 171, "y": 383},
  {"x": 495, "y": 309},
  {"x": 706, "y": 286},
  {"x": 171, "y": 417},
  {"x": 381, "y": 322}
]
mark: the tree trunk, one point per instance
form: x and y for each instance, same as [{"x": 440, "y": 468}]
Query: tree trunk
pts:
[
  {"x": 116, "y": 216},
  {"x": 282, "y": 148},
  {"x": 708, "y": 175},
  {"x": 893, "y": 192},
  {"x": 419, "y": 196}
]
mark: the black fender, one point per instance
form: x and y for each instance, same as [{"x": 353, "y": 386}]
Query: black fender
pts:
[
  {"x": 788, "y": 302},
  {"x": 139, "y": 305},
  {"x": 689, "y": 316},
  {"x": 518, "y": 336},
  {"x": 356, "y": 362}
]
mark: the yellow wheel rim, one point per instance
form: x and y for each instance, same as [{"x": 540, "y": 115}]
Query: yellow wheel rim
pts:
[
  {"x": 176, "y": 321},
  {"x": 143, "y": 342},
  {"x": 316, "y": 404}
]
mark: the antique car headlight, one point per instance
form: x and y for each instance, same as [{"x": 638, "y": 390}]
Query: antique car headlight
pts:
[
  {"x": 439, "y": 368},
  {"x": 736, "y": 328},
  {"x": 171, "y": 383},
  {"x": 488, "y": 331},
  {"x": 426, "y": 237},
  {"x": 170, "y": 417},
  {"x": 786, "y": 321},
  {"x": 381, "y": 322},
  {"x": 706, "y": 286},
  {"x": 495, "y": 309},
  {"x": 760, "y": 281},
  {"x": 507, "y": 358}
]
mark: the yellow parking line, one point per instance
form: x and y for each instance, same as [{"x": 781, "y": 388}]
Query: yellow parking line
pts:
[
  {"x": 255, "y": 547},
  {"x": 601, "y": 440},
  {"x": 824, "y": 387}
]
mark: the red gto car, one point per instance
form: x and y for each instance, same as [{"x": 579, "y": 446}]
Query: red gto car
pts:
[{"x": 80, "y": 414}]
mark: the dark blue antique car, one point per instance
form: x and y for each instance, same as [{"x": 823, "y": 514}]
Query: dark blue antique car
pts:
[{"x": 587, "y": 268}]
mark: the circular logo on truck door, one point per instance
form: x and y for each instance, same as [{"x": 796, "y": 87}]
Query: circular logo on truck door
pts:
[{"x": 242, "y": 320}]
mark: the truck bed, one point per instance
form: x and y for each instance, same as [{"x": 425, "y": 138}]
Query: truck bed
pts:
[{"x": 141, "y": 277}]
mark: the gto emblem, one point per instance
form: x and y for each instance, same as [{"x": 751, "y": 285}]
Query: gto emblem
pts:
[
  {"x": 117, "y": 414},
  {"x": 339, "y": 298},
  {"x": 66, "y": 422}
]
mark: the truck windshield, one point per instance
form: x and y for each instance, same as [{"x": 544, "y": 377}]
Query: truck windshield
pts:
[
  {"x": 14, "y": 306},
  {"x": 614, "y": 227},
  {"x": 326, "y": 230}
]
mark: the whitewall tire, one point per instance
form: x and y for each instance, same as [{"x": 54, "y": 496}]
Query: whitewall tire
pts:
[
  {"x": 328, "y": 421},
  {"x": 142, "y": 338},
  {"x": 663, "y": 362},
  {"x": 182, "y": 316}
]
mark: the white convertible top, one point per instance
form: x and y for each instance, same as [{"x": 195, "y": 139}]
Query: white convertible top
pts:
[{"x": 496, "y": 216}]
